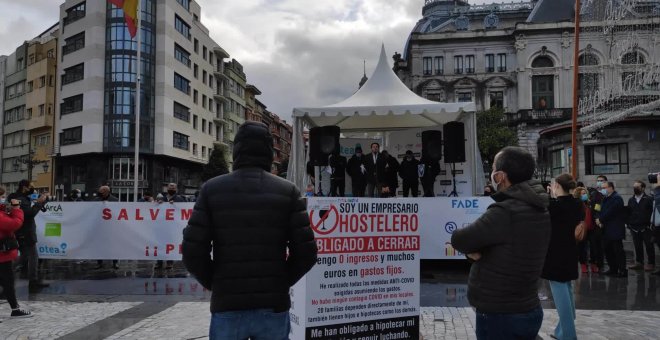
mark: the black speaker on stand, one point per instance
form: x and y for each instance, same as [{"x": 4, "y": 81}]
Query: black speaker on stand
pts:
[
  {"x": 323, "y": 141},
  {"x": 454, "y": 149},
  {"x": 432, "y": 145}
]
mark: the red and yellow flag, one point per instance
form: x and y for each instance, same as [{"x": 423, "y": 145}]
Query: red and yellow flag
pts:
[{"x": 130, "y": 8}]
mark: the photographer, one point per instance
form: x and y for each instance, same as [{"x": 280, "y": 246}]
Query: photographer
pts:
[
  {"x": 31, "y": 203},
  {"x": 11, "y": 219}
]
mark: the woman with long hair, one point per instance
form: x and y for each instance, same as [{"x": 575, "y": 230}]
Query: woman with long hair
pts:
[
  {"x": 588, "y": 248},
  {"x": 11, "y": 219},
  {"x": 560, "y": 267}
]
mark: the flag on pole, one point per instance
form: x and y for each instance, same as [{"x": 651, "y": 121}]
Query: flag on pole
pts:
[{"x": 130, "y": 8}]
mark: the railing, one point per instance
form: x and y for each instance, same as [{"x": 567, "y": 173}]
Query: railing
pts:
[
  {"x": 490, "y": 69},
  {"x": 501, "y": 69}
]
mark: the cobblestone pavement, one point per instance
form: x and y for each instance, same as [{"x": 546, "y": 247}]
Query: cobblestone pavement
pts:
[{"x": 190, "y": 320}]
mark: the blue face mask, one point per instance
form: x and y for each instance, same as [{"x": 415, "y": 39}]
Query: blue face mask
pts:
[
  {"x": 584, "y": 197},
  {"x": 3, "y": 200},
  {"x": 603, "y": 191}
]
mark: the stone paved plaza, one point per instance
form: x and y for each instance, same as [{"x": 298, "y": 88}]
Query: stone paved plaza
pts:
[{"x": 190, "y": 320}]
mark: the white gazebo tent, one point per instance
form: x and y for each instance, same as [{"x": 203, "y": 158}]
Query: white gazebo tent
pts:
[{"x": 383, "y": 104}]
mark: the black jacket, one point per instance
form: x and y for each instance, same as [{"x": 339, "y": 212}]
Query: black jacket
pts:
[
  {"x": 613, "y": 215},
  {"x": 338, "y": 165},
  {"x": 512, "y": 237},
  {"x": 248, "y": 219},
  {"x": 431, "y": 170},
  {"x": 372, "y": 174},
  {"x": 176, "y": 198},
  {"x": 110, "y": 198},
  {"x": 354, "y": 169},
  {"x": 27, "y": 235},
  {"x": 561, "y": 262},
  {"x": 388, "y": 167},
  {"x": 409, "y": 171},
  {"x": 639, "y": 214}
]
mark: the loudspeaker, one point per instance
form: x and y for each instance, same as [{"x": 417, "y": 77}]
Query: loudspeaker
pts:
[
  {"x": 432, "y": 145},
  {"x": 323, "y": 141},
  {"x": 454, "y": 142}
]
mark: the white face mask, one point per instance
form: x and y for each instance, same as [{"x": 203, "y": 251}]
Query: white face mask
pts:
[
  {"x": 492, "y": 180},
  {"x": 3, "y": 200}
]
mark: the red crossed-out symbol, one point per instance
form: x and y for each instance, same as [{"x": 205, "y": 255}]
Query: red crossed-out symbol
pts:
[{"x": 318, "y": 221}]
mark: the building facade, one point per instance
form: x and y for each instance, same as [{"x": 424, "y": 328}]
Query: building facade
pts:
[
  {"x": 235, "y": 109},
  {"x": 519, "y": 57},
  {"x": 180, "y": 112}
]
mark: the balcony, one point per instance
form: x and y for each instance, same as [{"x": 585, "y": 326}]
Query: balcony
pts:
[
  {"x": 38, "y": 122},
  {"x": 501, "y": 69},
  {"x": 490, "y": 69},
  {"x": 540, "y": 116},
  {"x": 458, "y": 71},
  {"x": 427, "y": 72},
  {"x": 221, "y": 96},
  {"x": 219, "y": 120},
  {"x": 439, "y": 72},
  {"x": 469, "y": 70},
  {"x": 220, "y": 52}
]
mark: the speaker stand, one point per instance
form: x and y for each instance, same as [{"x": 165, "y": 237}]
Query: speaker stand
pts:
[
  {"x": 317, "y": 175},
  {"x": 453, "y": 192}
]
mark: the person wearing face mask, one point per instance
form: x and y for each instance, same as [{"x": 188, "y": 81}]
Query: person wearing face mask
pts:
[
  {"x": 104, "y": 195},
  {"x": 508, "y": 245},
  {"x": 75, "y": 196},
  {"x": 11, "y": 219},
  {"x": 489, "y": 190},
  {"x": 612, "y": 219},
  {"x": 589, "y": 248},
  {"x": 27, "y": 234},
  {"x": 408, "y": 171},
  {"x": 640, "y": 209},
  {"x": 358, "y": 173},
  {"x": 172, "y": 197}
]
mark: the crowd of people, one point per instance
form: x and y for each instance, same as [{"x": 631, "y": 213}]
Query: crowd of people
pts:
[
  {"x": 377, "y": 174},
  {"x": 533, "y": 232}
]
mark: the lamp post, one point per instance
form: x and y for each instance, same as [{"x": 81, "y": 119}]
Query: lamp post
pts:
[{"x": 31, "y": 163}]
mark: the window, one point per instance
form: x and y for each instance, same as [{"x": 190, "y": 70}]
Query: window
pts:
[
  {"x": 181, "y": 141},
  {"x": 633, "y": 58},
  {"x": 543, "y": 93},
  {"x": 558, "y": 162},
  {"x": 51, "y": 53},
  {"x": 204, "y": 125},
  {"x": 30, "y": 85},
  {"x": 71, "y": 136},
  {"x": 42, "y": 140},
  {"x": 203, "y": 152},
  {"x": 15, "y": 139},
  {"x": 75, "y": 13},
  {"x": 182, "y": 26},
  {"x": 73, "y": 43},
  {"x": 501, "y": 62},
  {"x": 204, "y": 52},
  {"x": 439, "y": 65},
  {"x": 631, "y": 81},
  {"x": 14, "y": 115},
  {"x": 181, "y": 112},
  {"x": 463, "y": 97},
  {"x": 185, "y": 4},
  {"x": 28, "y": 113},
  {"x": 588, "y": 59},
  {"x": 542, "y": 61},
  {"x": 72, "y": 104},
  {"x": 607, "y": 159},
  {"x": 181, "y": 55},
  {"x": 490, "y": 63},
  {"x": 41, "y": 110},
  {"x": 469, "y": 64},
  {"x": 182, "y": 84},
  {"x": 496, "y": 99},
  {"x": 204, "y": 74},
  {"x": 588, "y": 83},
  {"x": 73, "y": 74},
  {"x": 31, "y": 59},
  {"x": 195, "y": 122},
  {"x": 196, "y": 71},
  {"x": 194, "y": 150},
  {"x": 428, "y": 66},
  {"x": 204, "y": 101},
  {"x": 196, "y": 45},
  {"x": 195, "y": 94},
  {"x": 458, "y": 64},
  {"x": 42, "y": 81},
  {"x": 211, "y": 106},
  {"x": 51, "y": 81}
]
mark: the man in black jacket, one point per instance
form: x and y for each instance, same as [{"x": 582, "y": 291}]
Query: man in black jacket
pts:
[
  {"x": 104, "y": 195},
  {"x": 612, "y": 219},
  {"x": 640, "y": 208},
  {"x": 337, "y": 165},
  {"x": 388, "y": 169},
  {"x": 429, "y": 170},
  {"x": 509, "y": 243},
  {"x": 409, "y": 173},
  {"x": 27, "y": 235},
  {"x": 249, "y": 219},
  {"x": 357, "y": 171},
  {"x": 371, "y": 164}
]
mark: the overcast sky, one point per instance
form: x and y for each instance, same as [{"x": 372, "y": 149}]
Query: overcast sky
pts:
[{"x": 297, "y": 52}]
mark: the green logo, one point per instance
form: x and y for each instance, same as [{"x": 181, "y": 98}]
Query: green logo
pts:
[{"x": 53, "y": 229}]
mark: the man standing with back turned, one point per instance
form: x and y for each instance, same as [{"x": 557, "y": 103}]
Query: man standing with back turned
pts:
[
  {"x": 508, "y": 243},
  {"x": 249, "y": 219}
]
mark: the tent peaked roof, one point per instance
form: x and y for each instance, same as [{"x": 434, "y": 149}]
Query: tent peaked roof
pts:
[{"x": 384, "y": 94}]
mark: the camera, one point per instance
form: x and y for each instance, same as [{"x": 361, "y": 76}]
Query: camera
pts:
[{"x": 653, "y": 177}]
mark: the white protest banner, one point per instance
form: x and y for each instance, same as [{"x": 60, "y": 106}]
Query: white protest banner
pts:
[
  {"x": 148, "y": 231},
  {"x": 112, "y": 230},
  {"x": 366, "y": 281}
]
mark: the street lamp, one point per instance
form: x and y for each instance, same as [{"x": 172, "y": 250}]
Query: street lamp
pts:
[{"x": 31, "y": 163}]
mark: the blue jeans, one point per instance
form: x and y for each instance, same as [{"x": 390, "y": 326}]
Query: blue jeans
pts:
[
  {"x": 562, "y": 295},
  {"x": 256, "y": 324},
  {"x": 521, "y": 326}
]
